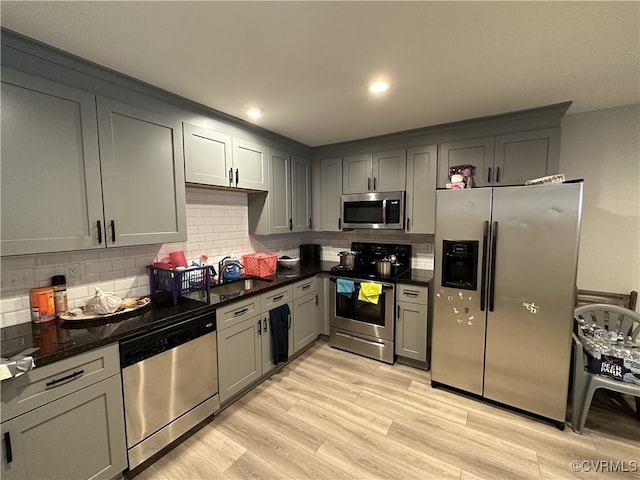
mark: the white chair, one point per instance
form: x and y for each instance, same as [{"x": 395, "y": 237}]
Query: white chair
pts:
[{"x": 612, "y": 318}]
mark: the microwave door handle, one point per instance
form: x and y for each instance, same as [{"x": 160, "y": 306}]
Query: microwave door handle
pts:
[
  {"x": 384, "y": 211},
  {"x": 485, "y": 252}
]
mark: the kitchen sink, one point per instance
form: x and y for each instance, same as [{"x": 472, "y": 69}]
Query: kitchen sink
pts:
[{"x": 238, "y": 286}]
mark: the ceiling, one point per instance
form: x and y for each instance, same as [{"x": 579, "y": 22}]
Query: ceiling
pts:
[{"x": 308, "y": 63}]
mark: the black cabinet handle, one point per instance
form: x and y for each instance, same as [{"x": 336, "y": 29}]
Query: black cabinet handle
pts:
[
  {"x": 306, "y": 287},
  {"x": 398, "y": 311},
  {"x": 57, "y": 381},
  {"x": 492, "y": 278},
  {"x": 289, "y": 322},
  {"x": 259, "y": 327},
  {"x": 290, "y": 224},
  {"x": 316, "y": 299},
  {"x": 375, "y": 183},
  {"x": 368, "y": 184},
  {"x": 339, "y": 224},
  {"x": 7, "y": 444},
  {"x": 485, "y": 249},
  {"x": 489, "y": 176},
  {"x": 278, "y": 298},
  {"x": 408, "y": 228},
  {"x": 231, "y": 177},
  {"x": 242, "y": 311},
  {"x": 309, "y": 224},
  {"x": 264, "y": 321},
  {"x": 113, "y": 231},
  {"x": 237, "y": 177},
  {"x": 497, "y": 174},
  {"x": 99, "y": 231}
]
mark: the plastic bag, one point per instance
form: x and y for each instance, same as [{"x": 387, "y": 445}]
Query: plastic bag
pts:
[{"x": 102, "y": 303}]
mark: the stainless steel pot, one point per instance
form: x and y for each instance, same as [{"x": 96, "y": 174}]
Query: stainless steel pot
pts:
[
  {"x": 347, "y": 259},
  {"x": 383, "y": 267}
]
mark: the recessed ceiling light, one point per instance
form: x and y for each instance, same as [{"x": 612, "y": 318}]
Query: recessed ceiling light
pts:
[
  {"x": 254, "y": 112},
  {"x": 378, "y": 87}
]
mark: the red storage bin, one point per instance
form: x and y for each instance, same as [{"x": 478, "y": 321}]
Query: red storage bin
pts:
[{"x": 260, "y": 264}]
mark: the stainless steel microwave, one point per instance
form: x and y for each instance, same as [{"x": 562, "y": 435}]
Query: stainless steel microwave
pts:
[{"x": 373, "y": 210}]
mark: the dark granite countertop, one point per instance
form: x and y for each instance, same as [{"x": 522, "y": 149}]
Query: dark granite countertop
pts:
[{"x": 57, "y": 340}]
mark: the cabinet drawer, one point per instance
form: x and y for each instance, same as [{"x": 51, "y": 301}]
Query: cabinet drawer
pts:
[
  {"x": 305, "y": 287},
  {"x": 411, "y": 293},
  {"x": 236, "y": 312},
  {"x": 48, "y": 383},
  {"x": 275, "y": 298}
]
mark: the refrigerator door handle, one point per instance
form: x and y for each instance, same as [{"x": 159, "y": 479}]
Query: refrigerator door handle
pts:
[
  {"x": 485, "y": 255},
  {"x": 492, "y": 268}
]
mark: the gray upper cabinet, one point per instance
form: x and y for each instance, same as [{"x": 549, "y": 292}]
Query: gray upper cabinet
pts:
[
  {"x": 287, "y": 206},
  {"x": 420, "y": 201},
  {"x": 117, "y": 182},
  {"x": 250, "y": 165},
  {"x": 477, "y": 152},
  {"x": 142, "y": 175},
  {"x": 377, "y": 172},
  {"x": 330, "y": 191},
  {"x": 50, "y": 166},
  {"x": 280, "y": 218},
  {"x": 207, "y": 156},
  {"x": 301, "y": 194},
  {"x": 523, "y": 156},
  {"x": 504, "y": 160}
]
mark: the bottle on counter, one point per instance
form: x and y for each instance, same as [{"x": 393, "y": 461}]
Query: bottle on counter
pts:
[{"x": 59, "y": 293}]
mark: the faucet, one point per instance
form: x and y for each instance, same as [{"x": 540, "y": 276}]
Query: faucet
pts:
[{"x": 222, "y": 267}]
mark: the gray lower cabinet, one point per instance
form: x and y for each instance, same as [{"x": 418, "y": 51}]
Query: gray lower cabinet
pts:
[
  {"x": 306, "y": 304},
  {"x": 420, "y": 200},
  {"x": 411, "y": 322},
  {"x": 118, "y": 180},
  {"x": 244, "y": 341},
  {"x": 503, "y": 160},
  {"x": 65, "y": 420}
]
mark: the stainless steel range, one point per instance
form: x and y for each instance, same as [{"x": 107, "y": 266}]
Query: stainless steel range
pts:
[{"x": 362, "y": 316}]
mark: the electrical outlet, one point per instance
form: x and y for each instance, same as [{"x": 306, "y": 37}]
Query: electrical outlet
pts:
[
  {"x": 14, "y": 280},
  {"x": 72, "y": 274}
]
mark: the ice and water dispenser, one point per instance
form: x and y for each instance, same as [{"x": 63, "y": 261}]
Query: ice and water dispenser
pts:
[{"x": 460, "y": 264}]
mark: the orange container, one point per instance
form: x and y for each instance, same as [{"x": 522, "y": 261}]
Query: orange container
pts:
[
  {"x": 260, "y": 264},
  {"x": 42, "y": 305}
]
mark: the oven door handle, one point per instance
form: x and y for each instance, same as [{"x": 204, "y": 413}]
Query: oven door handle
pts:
[{"x": 384, "y": 285}]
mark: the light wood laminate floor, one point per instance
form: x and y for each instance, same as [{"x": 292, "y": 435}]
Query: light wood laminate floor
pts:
[{"x": 334, "y": 415}]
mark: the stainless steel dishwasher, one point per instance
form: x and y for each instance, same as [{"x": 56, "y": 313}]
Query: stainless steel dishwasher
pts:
[{"x": 170, "y": 384}]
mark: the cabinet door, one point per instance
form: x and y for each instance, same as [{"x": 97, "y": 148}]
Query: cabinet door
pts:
[
  {"x": 389, "y": 171},
  {"x": 267, "y": 346},
  {"x": 280, "y": 217},
  {"x": 50, "y": 170},
  {"x": 142, "y": 175},
  {"x": 477, "y": 152},
  {"x": 420, "y": 200},
  {"x": 250, "y": 165},
  {"x": 331, "y": 190},
  {"x": 356, "y": 173},
  {"x": 79, "y": 436},
  {"x": 301, "y": 194},
  {"x": 305, "y": 329},
  {"x": 527, "y": 155},
  {"x": 239, "y": 357},
  {"x": 207, "y": 156},
  {"x": 411, "y": 331}
]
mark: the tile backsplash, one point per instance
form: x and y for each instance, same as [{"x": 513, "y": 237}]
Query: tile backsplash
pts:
[{"x": 217, "y": 225}]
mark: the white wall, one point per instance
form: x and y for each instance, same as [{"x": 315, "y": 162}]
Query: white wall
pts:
[{"x": 603, "y": 147}]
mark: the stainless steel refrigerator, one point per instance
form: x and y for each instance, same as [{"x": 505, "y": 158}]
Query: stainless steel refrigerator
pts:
[{"x": 505, "y": 279}]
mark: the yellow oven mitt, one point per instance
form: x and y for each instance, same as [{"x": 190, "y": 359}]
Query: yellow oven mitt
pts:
[{"x": 370, "y": 292}]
